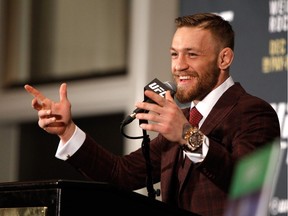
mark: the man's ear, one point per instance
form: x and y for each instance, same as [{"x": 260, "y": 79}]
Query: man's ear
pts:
[{"x": 225, "y": 58}]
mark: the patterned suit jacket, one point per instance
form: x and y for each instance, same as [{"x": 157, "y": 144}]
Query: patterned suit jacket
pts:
[{"x": 238, "y": 124}]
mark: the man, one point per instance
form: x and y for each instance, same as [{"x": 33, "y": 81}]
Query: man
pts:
[{"x": 232, "y": 124}]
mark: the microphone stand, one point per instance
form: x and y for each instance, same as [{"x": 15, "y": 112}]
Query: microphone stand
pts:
[{"x": 146, "y": 152}]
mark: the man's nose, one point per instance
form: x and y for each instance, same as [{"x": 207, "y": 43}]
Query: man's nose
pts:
[{"x": 181, "y": 64}]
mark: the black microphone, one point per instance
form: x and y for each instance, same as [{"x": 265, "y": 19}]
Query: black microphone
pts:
[{"x": 159, "y": 88}]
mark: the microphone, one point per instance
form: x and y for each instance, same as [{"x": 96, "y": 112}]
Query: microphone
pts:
[{"x": 159, "y": 88}]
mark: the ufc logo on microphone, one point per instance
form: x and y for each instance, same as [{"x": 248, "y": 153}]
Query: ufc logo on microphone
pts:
[{"x": 157, "y": 88}]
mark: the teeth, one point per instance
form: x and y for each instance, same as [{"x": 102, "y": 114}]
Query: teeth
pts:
[{"x": 184, "y": 77}]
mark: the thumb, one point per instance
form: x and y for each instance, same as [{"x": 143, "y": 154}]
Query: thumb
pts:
[{"x": 63, "y": 92}]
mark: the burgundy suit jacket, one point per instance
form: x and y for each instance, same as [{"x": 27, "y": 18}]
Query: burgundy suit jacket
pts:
[{"x": 237, "y": 125}]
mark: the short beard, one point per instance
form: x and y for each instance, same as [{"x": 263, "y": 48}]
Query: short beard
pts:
[{"x": 203, "y": 87}]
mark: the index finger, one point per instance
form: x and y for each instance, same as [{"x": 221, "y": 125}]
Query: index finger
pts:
[{"x": 33, "y": 91}]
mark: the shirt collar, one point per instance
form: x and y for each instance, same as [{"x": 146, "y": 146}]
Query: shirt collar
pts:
[{"x": 205, "y": 106}]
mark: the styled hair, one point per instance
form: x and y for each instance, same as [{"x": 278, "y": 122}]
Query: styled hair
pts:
[{"x": 220, "y": 28}]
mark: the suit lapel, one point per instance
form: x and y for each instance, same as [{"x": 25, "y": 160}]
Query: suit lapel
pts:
[{"x": 222, "y": 108}]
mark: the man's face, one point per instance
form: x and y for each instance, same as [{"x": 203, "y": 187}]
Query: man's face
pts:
[{"x": 194, "y": 55}]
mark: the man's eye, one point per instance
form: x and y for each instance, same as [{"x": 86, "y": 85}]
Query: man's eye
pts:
[
  {"x": 173, "y": 54},
  {"x": 192, "y": 54}
]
